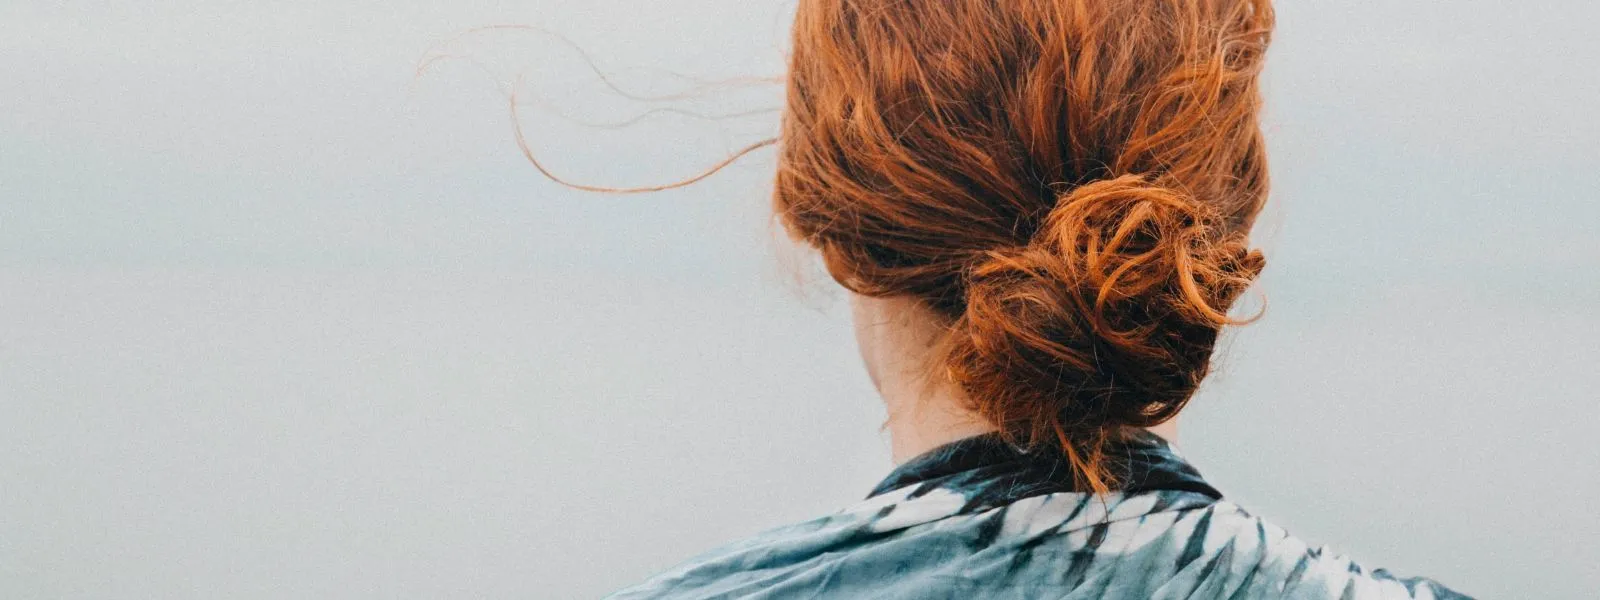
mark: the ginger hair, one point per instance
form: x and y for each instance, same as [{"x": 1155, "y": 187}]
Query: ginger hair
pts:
[{"x": 1068, "y": 184}]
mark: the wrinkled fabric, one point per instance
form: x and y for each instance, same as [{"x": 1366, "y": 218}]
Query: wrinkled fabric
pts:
[{"x": 981, "y": 519}]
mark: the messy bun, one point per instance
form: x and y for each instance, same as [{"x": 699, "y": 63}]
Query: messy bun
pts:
[
  {"x": 1105, "y": 320},
  {"x": 1068, "y": 184}
]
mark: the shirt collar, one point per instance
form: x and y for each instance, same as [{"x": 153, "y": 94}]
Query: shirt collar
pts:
[{"x": 991, "y": 472}]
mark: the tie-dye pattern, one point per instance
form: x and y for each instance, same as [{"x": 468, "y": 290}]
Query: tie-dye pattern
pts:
[{"x": 979, "y": 519}]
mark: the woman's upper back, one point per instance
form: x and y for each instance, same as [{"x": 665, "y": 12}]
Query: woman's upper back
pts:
[
  {"x": 981, "y": 519},
  {"x": 1066, "y": 187}
]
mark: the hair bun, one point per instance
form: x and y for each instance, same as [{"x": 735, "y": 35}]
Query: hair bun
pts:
[{"x": 1107, "y": 318}]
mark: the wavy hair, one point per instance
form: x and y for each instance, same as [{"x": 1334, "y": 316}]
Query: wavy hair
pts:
[{"x": 1069, "y": 184}]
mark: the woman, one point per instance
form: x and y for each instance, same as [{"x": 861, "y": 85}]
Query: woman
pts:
[{"x": 1041, "y": 208}]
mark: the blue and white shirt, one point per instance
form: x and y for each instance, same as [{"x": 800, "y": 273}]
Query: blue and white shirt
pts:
[{"x": 981, "y": 519}]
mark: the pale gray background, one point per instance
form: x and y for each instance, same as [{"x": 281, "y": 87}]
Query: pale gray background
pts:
[{"x": 280, "y": 320}]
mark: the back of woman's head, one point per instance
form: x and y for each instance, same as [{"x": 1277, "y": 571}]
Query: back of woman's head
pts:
[{"x": 1067, "y": 184}]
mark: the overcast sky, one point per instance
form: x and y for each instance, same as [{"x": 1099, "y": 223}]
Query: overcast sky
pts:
[{"x": 284, "y": 318}]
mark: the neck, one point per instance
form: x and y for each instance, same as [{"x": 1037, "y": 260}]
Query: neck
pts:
[
  {"x": 917, "y": 425},
  {"x": 898, "y": 338}
]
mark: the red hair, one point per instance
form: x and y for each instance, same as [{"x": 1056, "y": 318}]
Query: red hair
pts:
[{"x": 1067, "y": 183}]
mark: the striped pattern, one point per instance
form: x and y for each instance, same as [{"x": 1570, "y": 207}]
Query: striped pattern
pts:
[{"x": 978, "y": 519}]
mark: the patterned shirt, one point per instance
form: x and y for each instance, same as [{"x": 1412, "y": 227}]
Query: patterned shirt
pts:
[{"x": 981, "y": 519}]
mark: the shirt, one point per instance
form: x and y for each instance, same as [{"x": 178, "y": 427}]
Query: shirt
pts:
[{"x": 979, "y": 518}]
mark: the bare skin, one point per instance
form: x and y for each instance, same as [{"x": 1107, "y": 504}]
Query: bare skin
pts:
[{"x": 896, "y": 337}]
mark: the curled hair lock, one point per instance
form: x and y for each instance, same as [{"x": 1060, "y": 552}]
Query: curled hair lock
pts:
[{"x": 1105, "y": 319}]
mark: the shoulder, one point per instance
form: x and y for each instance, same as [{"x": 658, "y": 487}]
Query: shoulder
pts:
[
  {"x": 1160, "y": 545},
  {"x": 1262, "y": 560},
  {"x": 1147, "y": 545}
]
